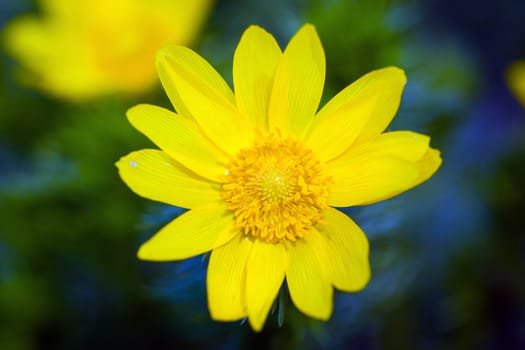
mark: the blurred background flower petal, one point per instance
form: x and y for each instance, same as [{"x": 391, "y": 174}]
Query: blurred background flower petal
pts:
[{"x": 82, "y": 49}]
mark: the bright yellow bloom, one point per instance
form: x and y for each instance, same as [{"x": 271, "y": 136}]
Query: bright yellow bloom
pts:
[
  {"x": 516, "y": 80},
  {"x": 260, "y": 171},
  {"x": 85, "y": 48}
]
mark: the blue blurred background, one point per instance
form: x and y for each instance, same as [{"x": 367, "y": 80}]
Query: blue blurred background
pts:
[{"x": 448, "y": 258}]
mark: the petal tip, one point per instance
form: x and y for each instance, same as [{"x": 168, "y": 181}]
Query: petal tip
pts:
[
  {"x": 393, "y": 73},
  {"x": 402, "y": 74},
  {"x": 438, "y": 158},
  {"x": 161, "y": 54},
  {"x": 223, "y": 315},
  {"x": 254, "y": 27},
  {"x": 165, "y": 52},
  {"x": 150, "y": 252},
  {"x": 363, "y": 282},
  {"x": 325, "y": 317},
  {"x": 118, "y": 165},
  {"x": 132, "y": 113},
  {"x": 308, "y": 26},
  {"x": 309, "y": 30},
  {"x": 124, "y": 162},
  {"x": 143, "y": 253},
  {"x": 256, "y": 324}
]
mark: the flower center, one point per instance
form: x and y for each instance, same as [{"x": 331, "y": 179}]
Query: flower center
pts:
[{"x": 275, "y": 189}]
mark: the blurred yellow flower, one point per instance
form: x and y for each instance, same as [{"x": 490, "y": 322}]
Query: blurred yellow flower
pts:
[
  {"x": 260, "y": 171},
  {"x": 85, "y": 48},
  {"x": 516, "y": 80}
]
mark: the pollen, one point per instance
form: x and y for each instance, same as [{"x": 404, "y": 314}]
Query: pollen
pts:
[{"x": 276, "y": 189}]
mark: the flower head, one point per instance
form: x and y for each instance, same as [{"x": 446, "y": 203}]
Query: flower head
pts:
[
  {"x": 261, "y": 170},
  {"x": 85, "y": 48}
]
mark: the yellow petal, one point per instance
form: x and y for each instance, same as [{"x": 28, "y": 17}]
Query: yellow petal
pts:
[
  {"x": 226, "y": 279},
  {"x": 169, "y": 85},
  {"x": 265, "y": 275},
  {"x": 191, "y": 81},
  {"x": 155, "y": 175},
  {"x": 307, "y": 277},
  {"x": 515, "y": 76},
  {"x": 181, "y": 138},
  {"x": 392, "y": 81},
  {"x": 348, "y": 251},
  {"x": 428, "y": 165},
  {"x": 330, "y": 134},
  {"x": 406, "y": 145},
  {"x": 370, "y": 180},
  {"x": 379, "y": 169},
  {"x": 386, "y": 85},
  {"x": 194, "y": 232},
  {"x": 298, "y": 84},
  {"x": 254, "y": 64}
]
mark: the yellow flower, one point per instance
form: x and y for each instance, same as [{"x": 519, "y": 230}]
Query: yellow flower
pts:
[
  {"x": 86, "y": 48},
  {"x": 260, "y": 171},
  {"x": 516, "y": 80}
]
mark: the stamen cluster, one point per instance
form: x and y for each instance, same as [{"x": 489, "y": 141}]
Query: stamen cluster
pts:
[{"x": 276, "y": 189}]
